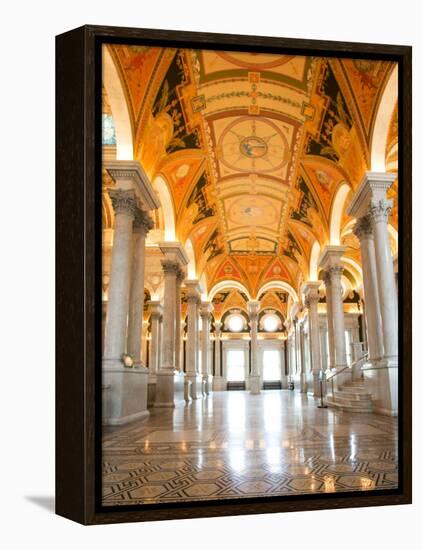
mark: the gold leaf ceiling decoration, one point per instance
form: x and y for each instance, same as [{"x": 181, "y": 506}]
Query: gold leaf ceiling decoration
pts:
[{"x": 253, "y": 148}]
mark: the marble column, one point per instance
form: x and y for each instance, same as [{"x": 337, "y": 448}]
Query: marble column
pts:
[
  {"x": 178, "y": 342},
  {"x": 330, "y": 330},
  {"x": 311, "y": 293},
  {"x": 205, "y": 312},
  {"x": 192, "y": 371},
  {"x": 127, "y": 394},
  {"x": 142, "y": 224},
  {"x": 302, "y": 375},
  {"x": 218, "y": 383},
  {"x": 379, "y": 212},
  {"x": 330, "y": 261},
  {"x": 125, "y": 206},
  {"x": 381, "y": 377},
  {"x": 364, "y": 232},
  {"x": 169, "y": 392},
  {"x": 255, "y": 377},
  {"x": 156, "y": 312}
]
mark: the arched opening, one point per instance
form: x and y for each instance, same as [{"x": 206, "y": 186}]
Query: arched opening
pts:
[
  {"x": 161, "y": 187},
  {"x": 228, "y": 284},
  {"x": 337, "y": 210},
  {"x": 280, "y": 285},
  {"x": 382, "y": 122},
  {"x": 117, "y": 100}
]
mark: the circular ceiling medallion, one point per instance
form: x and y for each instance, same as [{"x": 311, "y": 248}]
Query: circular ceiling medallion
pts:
[
  {"x": 255, "y": 61},
  {"x": 249, "y": 144},
  {"x": 253, "y": 147},
  {"x": 252, "y": 210}
]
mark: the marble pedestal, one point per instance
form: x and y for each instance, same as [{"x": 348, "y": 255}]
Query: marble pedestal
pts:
[
  {"x": 219, "y": 383},
  {"x": 255, "y": 384},
  {"x": 207, "y": 383},
  {"x": 126, "y": 396},
  {"x": 302, "y": 383},
  {"x": 170, "y": 390},
  {"x": 188, "y": 391},
  {"x": 152, "y": 388},
  {"x": 284, "y": 382},
  {"x": 197, "y": 386},
  {"x": 381, "y": 381}
]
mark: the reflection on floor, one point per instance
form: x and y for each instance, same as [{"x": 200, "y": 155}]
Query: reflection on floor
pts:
[{"x": 235, "y": 445}]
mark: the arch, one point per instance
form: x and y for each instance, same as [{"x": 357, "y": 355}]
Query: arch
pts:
[
  {"x": 279, "y": 285},
  {"x": 161, "y": 187},
  {"x": 382, "y": 122},
  {"x": 313, "y": 261},
  {"x": 192, "y": 262},
  {"x": 337, "y": 210},
  {"x": 227, "y": 284},
  {"x": 117, "y": 100}
]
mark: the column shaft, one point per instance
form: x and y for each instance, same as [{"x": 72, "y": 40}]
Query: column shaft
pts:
[
  {"x": 335, "y": 273},
  {"x": 379, "y": 212},
  {"x": 330, "y": 330},
  {"x": 364, "y": 231},
  {"x": 124, "y": 205},
  {"x": 142, "y": 224},
  {"x": 170, "y": 269},
  {"x": 255, "y": 378}
]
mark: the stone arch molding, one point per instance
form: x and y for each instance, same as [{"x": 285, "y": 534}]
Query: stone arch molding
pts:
[{"x": 117, "y": 100}]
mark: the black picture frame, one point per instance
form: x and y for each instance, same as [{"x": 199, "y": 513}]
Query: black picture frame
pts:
[{"x": 78, "y": 260}]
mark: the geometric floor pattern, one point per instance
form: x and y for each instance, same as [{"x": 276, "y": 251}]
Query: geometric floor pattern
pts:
[{"x": 237, "y": 445}]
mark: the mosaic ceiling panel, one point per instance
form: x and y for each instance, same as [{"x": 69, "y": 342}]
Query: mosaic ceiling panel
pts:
[{"x": 253, "y": 148}]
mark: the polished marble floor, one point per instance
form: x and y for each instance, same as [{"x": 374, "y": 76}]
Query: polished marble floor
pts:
[{"x": 235, "y": 445}]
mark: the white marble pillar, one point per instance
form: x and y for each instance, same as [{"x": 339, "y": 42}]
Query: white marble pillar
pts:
[
  {"x": 170, "y": 390},
  {"x": 379, "y": 212},
  {"x": 192, "y": 372},
  {"x": 330, "y": 262},
  {"x": 310, "y": 290},
  {"x": 255, "y": 377},
  {"x": 218, "y": 381},
  {"x": 205, "y": 312},
  {"x": 142, "y": 224},
  {"x": 127, "y": 393},
  {"x": 125, "y": 206},
  {"x": 302, "y": 374},
  {"x": 178, "y": 342},
  {"x": 335, "y": 273},
  {"x": 364, "y": 232},
  {"x": 156, "y": 312},
  {"x": 330, "y": 330}
]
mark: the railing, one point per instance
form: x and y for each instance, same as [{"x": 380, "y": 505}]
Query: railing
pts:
[{"x": 332, "y": 374}]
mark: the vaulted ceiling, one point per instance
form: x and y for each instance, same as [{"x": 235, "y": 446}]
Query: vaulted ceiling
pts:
[{"x": 253, "y": 148}]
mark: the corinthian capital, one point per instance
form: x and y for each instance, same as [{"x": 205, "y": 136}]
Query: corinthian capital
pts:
[
  {"x": 142, "y": 221},
  {"x": 170, "y": 266},
  {"x": 379, "y": 211},
  {"x": 363, "y": 228},
  {"x": 123, "y": 201},
  {"x": 335, "y": 271}
]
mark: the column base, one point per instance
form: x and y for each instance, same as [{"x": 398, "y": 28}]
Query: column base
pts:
[
  {"x": 255, "y": 384},
  {"x": 197, "y": 385},
  {"x": 219, "y": 383},
  {"x": 381, "y": 380},
  {"x": 188, "y": 391},
  {"x": 302, "y": 383},
  {"x": 125, "y": 393},
  {"x": 207, "y": 383},
  {"x": 284, "y": 382},
  {"x": 152, "y": 389},
  {"x": 316, "y": 385},
  {"x": 170, "y": 390}
]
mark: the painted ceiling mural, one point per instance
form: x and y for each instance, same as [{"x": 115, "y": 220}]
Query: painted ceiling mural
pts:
[{"x": 253, "y": 148}]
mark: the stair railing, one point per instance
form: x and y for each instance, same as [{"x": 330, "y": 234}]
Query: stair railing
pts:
[{"x": 330, "y": 375}]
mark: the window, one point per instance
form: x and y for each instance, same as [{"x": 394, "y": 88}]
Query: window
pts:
[
  {"x": 235, "y": 365},
  {"x": 236, "y": 323},
  {"x": 271, "y": 364},
  {"x": 270, "y": 322}
]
